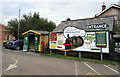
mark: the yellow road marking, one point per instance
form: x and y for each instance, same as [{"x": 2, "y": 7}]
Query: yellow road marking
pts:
[{"x": 89, "y": 73}]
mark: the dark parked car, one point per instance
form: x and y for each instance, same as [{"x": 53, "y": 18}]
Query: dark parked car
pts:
[
  {"x": 18, "y": 44},
  {"x": 4, "y": 44},
  {"x": 7, "y": 44}
]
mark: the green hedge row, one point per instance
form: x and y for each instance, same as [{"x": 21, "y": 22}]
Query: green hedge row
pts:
[{"x": 113, "y": 56}]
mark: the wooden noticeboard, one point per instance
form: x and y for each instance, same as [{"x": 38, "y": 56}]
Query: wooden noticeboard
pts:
[{"x": 101, "y": 39}]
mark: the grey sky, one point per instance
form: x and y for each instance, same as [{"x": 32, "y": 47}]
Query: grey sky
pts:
[{"x": 54, "y": 10}]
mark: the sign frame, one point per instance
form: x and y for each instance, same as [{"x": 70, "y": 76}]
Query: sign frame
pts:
[{"x": 101, "y": 39}]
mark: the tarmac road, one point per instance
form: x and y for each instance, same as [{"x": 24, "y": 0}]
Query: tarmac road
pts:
[{"x": 29, "y": 63}]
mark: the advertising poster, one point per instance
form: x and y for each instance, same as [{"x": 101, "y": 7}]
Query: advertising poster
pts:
[
  {"x": 60, "y": 41},
  {"x": 53, "y": 40},
  {"x": 89, "y": 40},
  {"x": 77, "y": 40}
]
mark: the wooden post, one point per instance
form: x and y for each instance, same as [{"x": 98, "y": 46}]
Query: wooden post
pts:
[
  {"x": 79, "y": 54},
  {"x": 65, "y": 53},
  {"x": 50, "y": 51}
]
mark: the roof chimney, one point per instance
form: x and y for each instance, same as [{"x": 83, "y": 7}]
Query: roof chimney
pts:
[{"x": 103, "y": 6}]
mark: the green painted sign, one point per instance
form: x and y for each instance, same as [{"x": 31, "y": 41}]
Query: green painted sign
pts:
[
  {"x": 26, "y": 43},
  {"x": 36, "y": 42},
  {"x": 101, "y": 39}
]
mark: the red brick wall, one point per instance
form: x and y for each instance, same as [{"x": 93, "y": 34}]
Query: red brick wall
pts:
[
  {"x": 111, "y": 12},
  {"x": 3, "y": 34},
  {"x": 0, "y": 34}
]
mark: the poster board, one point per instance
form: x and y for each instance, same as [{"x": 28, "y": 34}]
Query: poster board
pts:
[
  {"x": 101, "y": 39},
  {"x": 86, "y": 42}
]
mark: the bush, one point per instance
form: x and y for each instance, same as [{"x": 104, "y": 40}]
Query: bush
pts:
[
  {"x": 112, "y": 45},
  {"x": 114, "y": 56}
]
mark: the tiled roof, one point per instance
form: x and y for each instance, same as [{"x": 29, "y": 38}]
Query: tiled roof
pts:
[
  {"x": 36, "y": 32},
  {"x": 42, "y": 32},
  {"x": 81, "y": 23}
]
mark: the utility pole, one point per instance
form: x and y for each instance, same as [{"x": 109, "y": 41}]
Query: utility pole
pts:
[{"x": 19, "y": 25}]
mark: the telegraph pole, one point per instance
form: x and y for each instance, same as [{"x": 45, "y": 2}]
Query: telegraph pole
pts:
[{"x": 19, "y": 25}]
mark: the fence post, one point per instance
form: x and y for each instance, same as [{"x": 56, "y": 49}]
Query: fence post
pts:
[
  {"x": 50, "y": 51},
  {"x": 65, "y": 53},
  {"x": 79, "y": 54}
]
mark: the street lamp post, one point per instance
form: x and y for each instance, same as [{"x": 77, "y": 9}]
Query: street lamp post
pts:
[{"x": 19, "y": 24}]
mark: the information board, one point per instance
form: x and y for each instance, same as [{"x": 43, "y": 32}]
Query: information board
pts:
[
  {"x": 36, "y": 42},
  {"x": 101, "y": 40},
  {"x": 26, "y": 42}
]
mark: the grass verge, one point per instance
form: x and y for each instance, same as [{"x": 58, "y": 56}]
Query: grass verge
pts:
[{"x": 83, "y": 59}]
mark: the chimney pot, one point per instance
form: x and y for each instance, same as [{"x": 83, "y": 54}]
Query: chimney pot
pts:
[{"x": 103, "y": 6}]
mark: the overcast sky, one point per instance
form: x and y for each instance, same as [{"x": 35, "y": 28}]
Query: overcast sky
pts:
[{"x": 53, "y": 10}]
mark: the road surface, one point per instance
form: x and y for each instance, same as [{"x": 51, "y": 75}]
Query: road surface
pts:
[{"x": 30, "y": 63}]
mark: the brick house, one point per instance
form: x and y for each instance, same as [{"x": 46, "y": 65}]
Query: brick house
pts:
[
  {"x": 3, "y": 35},
  {"x": 112, "y": 10}
]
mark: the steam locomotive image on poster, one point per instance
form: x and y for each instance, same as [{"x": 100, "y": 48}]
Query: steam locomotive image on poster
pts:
[{"x": 73, "y": 42}]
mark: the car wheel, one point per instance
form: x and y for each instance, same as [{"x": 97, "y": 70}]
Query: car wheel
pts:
[{"x": 18, "y": 48}]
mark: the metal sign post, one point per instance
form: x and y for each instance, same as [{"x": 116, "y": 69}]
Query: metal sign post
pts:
[
  {"x": 101, "y": 54},
  {"x": 101, "y": 41}
]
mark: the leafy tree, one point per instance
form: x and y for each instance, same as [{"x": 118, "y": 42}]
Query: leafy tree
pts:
[{"x": 30, "y": 22}]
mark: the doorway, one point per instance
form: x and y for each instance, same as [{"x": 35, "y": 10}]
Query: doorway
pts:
[{"x": 31, "y": 42}]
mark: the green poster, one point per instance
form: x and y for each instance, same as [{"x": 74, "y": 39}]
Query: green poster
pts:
[
  {"x": 26, "y": 42},
  {"x": 36, "y": 42},
  {"x": 101, "y": 39}
]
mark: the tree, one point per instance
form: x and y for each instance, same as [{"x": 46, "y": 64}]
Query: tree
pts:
[
  {"x": 30, "y": 22},
  {"x": 68, "y": 19}
]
